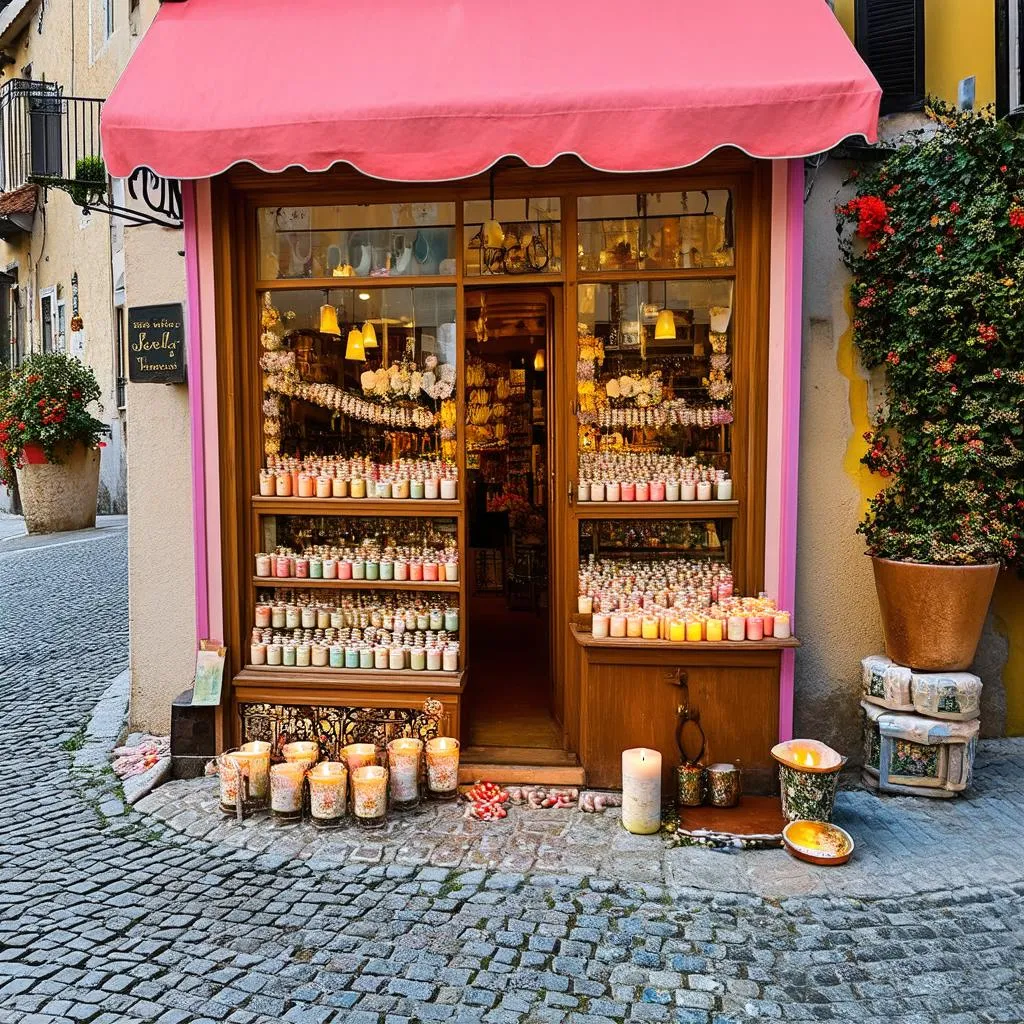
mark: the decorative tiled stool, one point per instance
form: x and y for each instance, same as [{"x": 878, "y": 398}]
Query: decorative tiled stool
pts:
[
  {"x": 955, "y": 696},
  {"x": 886, "y": 684},
  {"x": 917, "y": 756}
]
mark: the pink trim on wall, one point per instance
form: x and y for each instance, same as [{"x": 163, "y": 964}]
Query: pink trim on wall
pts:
[{"x": 195, "y": 402}]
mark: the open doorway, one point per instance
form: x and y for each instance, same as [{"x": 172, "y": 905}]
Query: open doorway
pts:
[{"x": 509, "y": 340}]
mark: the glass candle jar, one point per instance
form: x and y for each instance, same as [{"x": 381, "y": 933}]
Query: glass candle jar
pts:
[
  {"x": 263, "y": 615},
  {"x": 380, "y": 657},
  {"x": 263, "y": 563},
  {"x": 283, "y": 485},
  {"x": 302, "y": 655},
  {"x": 337, "y": 659},
  {"x": 256, "y": 756},
  {"x": 599, "y": 625},
  {"x": 365, "y": 657},
  {"x": 451, "y": 570},
  {"x": 704, "y": 490},
  {"x": 431, "y": 488},
  {"x": 433, "y": 660},
  {"x": 597, "y": 491},
  {"x": 370, "y": 795},
  {"x": 304, "y": 752},
  {"x": 404, "y": 757},
  {"x": 451, "y": 620},
  {"x": 643, "y": 491},
  {"x": 583, "y": 491},
  {"x": 416, "y": 489},
  {"x": 339, "y": 487},
  {"x": 450, "y": 659},
  {"x": 323, "y": 486},
  {"x": 268, "y": 483},
  {"x": 286, "y": 784},
  {"x": 274, "y": 654},
  {"x": 401, "y": 570},
  {"x": 672, "y": 490},
  {"x": 320, "y": 656},
  {"x": 288, "y": 655},
  {"x": 449, "y": 490},
  {"x": 345, "y": 569},
  {"x": 308, "y": 617},
  {"x": 723, "y": 492},
  {"x": 714, "y": 631},
  {"x": 737, "y": 628},
  {"x": 358, "y": 569},
  {"x": 257, "y": 654},
  {"x": 443, "y": 768},
  {"x": 357, "y": 488},
  {"x": 328, "y": 787},
  {"x": 418, "y": 659},
  {"x": 277, "y": 616},
  {"x": 396, "y": 659},
  {"x": 611, "y": 490},
  {"x": 372, "y": 569}
]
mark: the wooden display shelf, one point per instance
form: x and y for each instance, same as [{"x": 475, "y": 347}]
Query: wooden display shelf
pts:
[
  {"x": 349, "y": 678},
  {"x": 357, "y": 506},
  {"x": 356, "y": 283},
  {"x": 292, "y": 581},
  {"x": 657, "y": 509},
  {"x": 586, "y": 639}
]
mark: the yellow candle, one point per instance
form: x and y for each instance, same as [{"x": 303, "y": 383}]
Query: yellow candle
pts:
[
  {"x": 677, "y": 630},
  {"x": 649, "y": 628},
  {"x": 693, "y": 631},
  {"x": 641, "y": 791},
  {"x": 714, "y": 629}
]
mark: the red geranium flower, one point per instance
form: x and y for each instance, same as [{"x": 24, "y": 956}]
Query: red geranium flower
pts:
[{"x": 954, "y": 207}]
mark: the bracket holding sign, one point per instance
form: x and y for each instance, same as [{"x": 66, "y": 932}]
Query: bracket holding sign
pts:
[{"x": 156, "y": 344}]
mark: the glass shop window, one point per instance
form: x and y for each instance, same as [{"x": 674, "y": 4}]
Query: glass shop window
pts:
[{"x": 513, "y": 236}]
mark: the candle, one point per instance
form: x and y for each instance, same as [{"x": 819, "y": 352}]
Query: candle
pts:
[
  {"x": 443, "y": 768},
  {"x": 714, "y": 630},
  {"x": 256, "y": 754},
  {"x": 597, "y": 491},
  {"x": 737, "y": 627},
  {"x": 585, "y": 605},
  {"x": 611, "y": 491},
  {"x": 356, "y": 755},
  {"x": 263, "y": 565},
  {"x": 688, "y": 491},
  {"x": 357, "y": 488},
  {"x": 649, "y": 628},
  {"x": 328, "y": 784},
  {"x": 448, "y": 489},
  {"x": 286, "y": 790},
  {"x": 782, "y": 625},
  {"x": 634, "y": 625},
  {"x": 404, "y": 765},
  {"x": 599, "y": 625},
  {"x": 657, "y": 490},
  {"x": 755, "y": 628},
  {"x": 263, "y": 613},
  {"x": 258, "y": 654},
  {"x": 583, "y": 491},
  {"x": 694, "y": 631},
  {"x": 672, "y": 490},
  {"x": 641, "y": 791},
  {"x": 643, "y": 490},
  {"x": 370, "y": 795},
  {"x": 677, "y": 630},
  {"x": 617, "y": 625},
  {"x": 627, "y": 491},
  {"x": 304, "y": 752},
  {"x": 724, "y": 490}
]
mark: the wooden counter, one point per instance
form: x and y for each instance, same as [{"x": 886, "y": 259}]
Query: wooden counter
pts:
[{"x": 630, "y": 692}]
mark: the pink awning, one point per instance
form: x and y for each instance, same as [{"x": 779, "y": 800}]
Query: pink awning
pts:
[{"x": 428, "y": 90}]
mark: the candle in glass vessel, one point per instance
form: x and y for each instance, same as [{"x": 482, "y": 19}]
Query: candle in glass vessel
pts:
[
  {"x": 617, "y": 625},
  {"x": 755, "y": 628},
  {"x": 649, "y": 627},
  {"x": 641, "y": 791},
  {"x": 714, "y": 629},
  {"x": 634, "y": 625},
  {"x": 599, "y": 625},
  {"x": 328, "y": 785},
  {"x": 724, "y": 490},
  {"x": 694, "y": 631},
  {"x": 286, "y": 781},
  {"x": 677, "y": 630},
  {"x": 304, "y": 752},
  {"x": 256, "y": 754},
  {"x": 357, "y": 755},
  {"x": 737, "y": 627},
  {"x": 704, "y": 490},
  {"x": 688, "y": 491},
  {"x": 782, "y": 626},
  {"x": 584, "y": 605},
  {"x": 404, "y": 757},
  {"x": 443, "y": 768},
  {"x": 370, "y": 795}
]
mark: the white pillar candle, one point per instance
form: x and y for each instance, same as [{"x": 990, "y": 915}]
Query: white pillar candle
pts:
[
  {"x": 724, "y": 490},
  {"x": 688, "y": 491},
  {"x": 641, "y": 791},
  {"x": 370, "y": 794},
  {"x": 704, "y": 490},
  {"x": 404, "y": 766},
  {"x": 286, "y": 789},
  {"x": 443, "y": 767},
  {"x": 328, "y": 786}
]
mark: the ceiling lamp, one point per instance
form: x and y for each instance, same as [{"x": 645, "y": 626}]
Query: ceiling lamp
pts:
[
  {"x": 538, "y": 361},
  {"x": 354, "y": 348},
  {"x": 369, "y": 336},
  {"x": 329, "y": 321},
  {"x": 665, "y": 328}
]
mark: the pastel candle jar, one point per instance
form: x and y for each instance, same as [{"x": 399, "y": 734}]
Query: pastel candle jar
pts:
[
  {"x": 585, "y": 604},
  {"x": 634, "y": 625},
  {"x": 724, "y": 490},
  {"x": 430, "y": 572},
  {"x": 404, "y": 757},
  {"x": 400, "y": 489},
  {"x": 694, "y": 632},
  {"x": 611, "y": 491},
  {"x": 416, "y": 488},
  {"x": 288, "y": 656},
  {"x": 263, "y": 565},
  {"x": 359, "y": 569},
  {"x": 617, "y": 626},
  {"x": 658, "y": 490},
  {"x": 277, "y": 616},
  {"x": 302, "y": 655},
  {"x": 418, "y": 659},
  {"x": 286, "y": 790},
  {"x": 649, "y": 628},
  {"x": 672, "y": 490},
  {"x": 643, "y": 491},
  {"x": 292, "y": 616},
  {"x": 308, "y": 617},
  {"x": 301, "y": 567},
  {"x": 380, "y": 657},
  {"x": 451, "y": 620},
  {"x": 597, "y": 491},
  {"x": 450, "y": 660},
  {"x": 255, "y": 755},
  {"x": 451, "y": 571},
  {"x": 351, "y": 657},
  {"x": 274, "y": 652},
  {"x": 316, "y": 568},
  {"x": 769, "y": 625},
  {"x": 627, "y": 492},
  {"x": 263, "y": 615},
  {"x": 443, "y": 768},
  {"x": 688, "y": 491},
  {"x": 641, "y": 791},
  {"x": 370, "y": 795},
  {"x": 302, "y": 752},
  {"x": 267, "y": 484},
  {"x": 431, "y": 488},
  {"x": 338, "y": 655},
  {"x": 330, "y": 568},
  {"x": 372, "y": 569},
  {"x": 782, "y": 626},
  {"x": 306, "y": 489},
  {"x": 676, "y": 631},
  {"x": 258, "y": 654},
  {"x": 358, "y": 755},
  {"x": 387, "y": 569},
  {"x": 357, "y": 488},
  {"x": 599, "y": 626},
  {"x": 323, "y": 486},
  {"x": 714, "y": 630},
  {"x": 423, "y": 621},
  {"x": 320, "y": 656},
  {"x": 401, "y": 570},
  {"x": 339, "y": 487},
  {"x": 448, "y": 489},
  {"x": 283, "y": 485},
  {"x": 345, "y": 569},
  {"x": 366, "y": 657},
  {"x": 704, "y": 490},
  {"x": 755, "y": 628},
  {"x": 328, "y": 787},
  {"x": 282, "y": 566},
  {"x": 583, "y": 491},
  {"x": 416, "y": 571},
  {"x": 737, "y": 628},
  {"x": 436, "y": 620},
  {"x": 396, "y": 659},
  {"x": 383, "y": 488}
]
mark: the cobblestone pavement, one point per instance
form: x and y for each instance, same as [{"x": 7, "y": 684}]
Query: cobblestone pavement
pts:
[{"x": 109, "y": 915}]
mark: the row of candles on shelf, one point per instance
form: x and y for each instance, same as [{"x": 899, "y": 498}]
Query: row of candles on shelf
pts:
[
  {"x": 333, "y": 476},
  {"x": 614, "y": 584},
  {"x": 366, "y": 561},
  {"x": 375, "y": 649},
  {"x": 381, "y": 614},
  {"x": 747, "y": 618},
  {"x": 643, "y": 476},
  {"x": 368, "y": 780}
]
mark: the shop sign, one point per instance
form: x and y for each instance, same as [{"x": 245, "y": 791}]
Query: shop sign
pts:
[{"x": 156, "y": 344}]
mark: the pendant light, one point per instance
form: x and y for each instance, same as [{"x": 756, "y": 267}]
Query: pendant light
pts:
[
  {"x": 538, "y": 361},
  {"x": 492, "y": 235},
  {"x": 354, "y": 348},
  {"x": 369, "y": 336},
  {"x": 329, "y": 320},
  {"x": 665, "y": 328}
]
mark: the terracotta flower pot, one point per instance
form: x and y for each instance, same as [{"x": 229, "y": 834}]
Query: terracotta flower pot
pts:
[
  {"x": 932, "y": 615},
  {"x": 58, "y": 496}
]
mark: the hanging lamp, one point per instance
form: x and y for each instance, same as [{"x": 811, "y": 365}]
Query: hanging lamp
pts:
[
  {"x": 369, "y": 335},
  {"x": 665, "y": 327},
  {"x": 538, "y": 361},
  {"x": 329, "y": 320},
  {"x": 354, "y": 348}
]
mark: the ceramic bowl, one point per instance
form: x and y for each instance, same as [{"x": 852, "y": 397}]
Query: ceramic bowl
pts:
[{"x": 818, "y": 842}]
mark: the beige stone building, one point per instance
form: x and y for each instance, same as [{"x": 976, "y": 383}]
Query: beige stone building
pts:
[{"x": 59, "y": 59}]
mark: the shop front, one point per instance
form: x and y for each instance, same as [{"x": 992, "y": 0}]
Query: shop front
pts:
[{"x": 482, "y": 435}]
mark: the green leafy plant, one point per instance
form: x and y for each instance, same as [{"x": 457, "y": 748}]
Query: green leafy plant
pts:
[
  {"x": 934, "y": 238},
  {"x": 90, "y": 180},
  {"x": 45, "y": 402}
]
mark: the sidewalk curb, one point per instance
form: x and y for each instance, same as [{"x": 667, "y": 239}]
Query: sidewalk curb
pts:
[{"x": 91, "y": 761}]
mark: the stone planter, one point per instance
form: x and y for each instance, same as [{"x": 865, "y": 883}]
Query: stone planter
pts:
[
  {"x": 932, "y": 615},
  {"x": 58, "y": 496}
]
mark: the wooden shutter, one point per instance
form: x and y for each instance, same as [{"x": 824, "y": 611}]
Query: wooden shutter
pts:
[{"x": 890, "y": 38}]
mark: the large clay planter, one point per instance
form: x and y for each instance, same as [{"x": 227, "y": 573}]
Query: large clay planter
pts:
[
  {"x": 932, "y": 615},
  {"x": 58, "y": 496}
]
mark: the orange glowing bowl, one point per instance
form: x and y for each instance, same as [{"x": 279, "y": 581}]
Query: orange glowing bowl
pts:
[{"x": 818, "y": 842}]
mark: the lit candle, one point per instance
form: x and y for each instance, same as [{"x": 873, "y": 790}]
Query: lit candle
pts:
[
  {"x": 370, "y": 795},
  {"x": 328, "y": 784},
  {"x": 256, "y": 755},
  {"x": 286, "y": 789},
  {"x": 641, "y": 791},
  {"x": 304, "y": 752},
  {"x": 404, "y": 764},
  {"x": 443, "y": 768}
]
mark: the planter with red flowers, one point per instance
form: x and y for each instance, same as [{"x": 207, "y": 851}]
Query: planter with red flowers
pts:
[
  {"x": 935, "y": 241},
  {"x": 50, "y": 441}
]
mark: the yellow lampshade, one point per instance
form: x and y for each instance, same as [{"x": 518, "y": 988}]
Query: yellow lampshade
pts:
[
  {"x": 369, "y": 335},
  {"x": 538, "y": 360},
  {"x": 329, "y": 321},
  {"x": 354, "y": 348},
  {"x": 665, "y": 328}
]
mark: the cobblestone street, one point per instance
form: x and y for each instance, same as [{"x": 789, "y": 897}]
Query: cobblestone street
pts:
[{"x": 165, "y": 913}]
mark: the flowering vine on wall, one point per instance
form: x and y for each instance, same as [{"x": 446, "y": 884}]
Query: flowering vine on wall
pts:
[{"x": 935, "y": 241}]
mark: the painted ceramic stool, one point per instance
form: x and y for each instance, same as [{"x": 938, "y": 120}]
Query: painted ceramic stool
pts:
[
  {"x": 955, "y": 696},
  {"x": 885, "y": 683}
]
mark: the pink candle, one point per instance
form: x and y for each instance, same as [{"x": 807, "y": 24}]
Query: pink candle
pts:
[
  {"x": 755, "y": 628},
  {"x": 430, "y": 571},
  {"x": 282, "y": 566},
  {"x": 627, "y": 492},
  {"x": 643, "y": 491},
  {"x": 345, "y": 569},
  {"x": 657, "y": 490},
  {"x": 769, "y": 625},
  {"x": 416, "y": 571}
]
